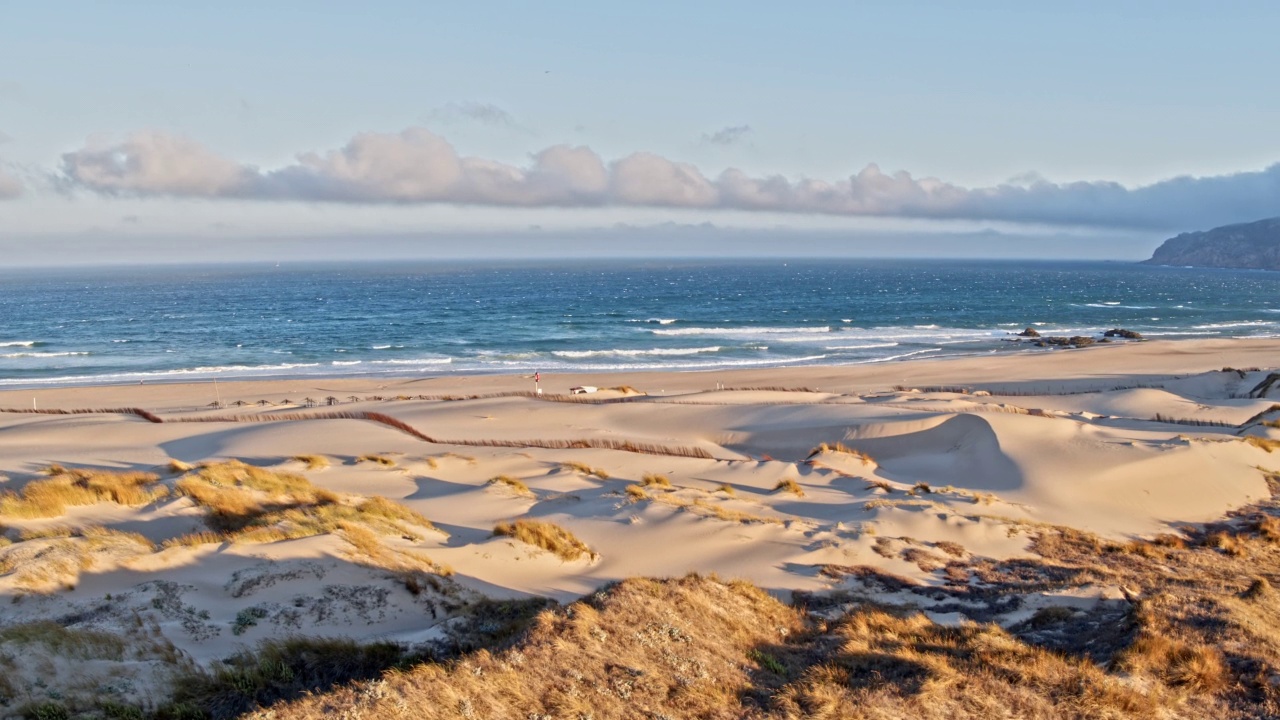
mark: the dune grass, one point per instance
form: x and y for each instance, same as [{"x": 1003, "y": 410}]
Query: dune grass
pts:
[
  {"x": 313, "y": 462},
  {"x": 585, "y": 469},
  {"x": 548, "y": 536},
  {"x": 516, "y": 485},
  {"x": 789, "y": 485},
  {"x": 382, "y": 460},
  {"x": 1264, "y": 443},
  {"x": 839, "y": 448},
  {"x": 654, "y": 480},
  {"x": 178, "y": 467},
  {"x": 50, "y": 497}
]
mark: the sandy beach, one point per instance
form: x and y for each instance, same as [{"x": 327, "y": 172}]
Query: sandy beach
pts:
[{"x": 774, "y": 476}]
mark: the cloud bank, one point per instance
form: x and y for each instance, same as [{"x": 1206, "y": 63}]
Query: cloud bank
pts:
[
  {"x": 10, "y": 186},
  {"x": 416, "y": 166}
]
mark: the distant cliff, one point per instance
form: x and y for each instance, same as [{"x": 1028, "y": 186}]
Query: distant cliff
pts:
[{"x": 1254, "y": 245}]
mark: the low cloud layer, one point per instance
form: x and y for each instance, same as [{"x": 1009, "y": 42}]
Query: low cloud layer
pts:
[
  {"x": 10, "y": 186},
  {"x": 417, "y": 166}
]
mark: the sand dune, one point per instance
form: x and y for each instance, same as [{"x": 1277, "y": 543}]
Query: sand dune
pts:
[{"x": 910, "y": 477}]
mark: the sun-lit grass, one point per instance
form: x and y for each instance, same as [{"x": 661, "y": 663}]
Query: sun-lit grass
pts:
[
  {"x": 50, "y": 497},
  {"x": 548, "y": 536},
  {"x": 177, "y": 467},
  {"x": 654, "y": 480},
  {"x": 789, "y": 485},
  {"x": 516, "y": 485},
  {"x": 382, "y": 460},
  {"x": 1260, "y": 442},
  {"x": 637, "y": 492},
  {"x": 824, "y": 448},
  {"x": 313, "y": 462},
  {"x": 585, "y": 469},
  {"x": 727, "y": 489},
  {"x": 194, "y": 539},
  {"x": 720, "y": 512}
]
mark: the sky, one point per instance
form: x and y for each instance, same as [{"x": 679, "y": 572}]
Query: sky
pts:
[{"x": 168, "y": 132}]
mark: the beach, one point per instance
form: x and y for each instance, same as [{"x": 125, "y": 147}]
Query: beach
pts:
[{"x": 772, "y": 475}]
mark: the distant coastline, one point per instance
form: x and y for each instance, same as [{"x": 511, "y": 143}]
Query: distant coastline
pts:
[{"x": 1244, "y": 246}]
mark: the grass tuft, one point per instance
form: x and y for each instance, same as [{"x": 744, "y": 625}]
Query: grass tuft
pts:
[
  {"x": 548, "y": 536},
  {"x": 64, "y": 488},
  {"x": 789, "y": 485},
  {"x": 313, "y": 462},
  {"x": 516, "y": 485},
  {"x": 585, "y": 469},
  {"x": 655, "y": 480},
  {"x": 382, "y": 460}
]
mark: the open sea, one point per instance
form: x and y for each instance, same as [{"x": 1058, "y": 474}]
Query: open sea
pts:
[{"x": 154, "y": 324}]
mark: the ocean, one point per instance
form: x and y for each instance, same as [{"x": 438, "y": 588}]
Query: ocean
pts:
[{"x": 155, "y": 324}]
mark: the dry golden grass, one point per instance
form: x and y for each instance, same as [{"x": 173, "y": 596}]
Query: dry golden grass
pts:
[
  {"x": 585, "y": 469},
  {"x": 789, "y": 485},
  {"x": 47, "y": 564},
  {"x": 46, "y": 533},
  {"x": 840, "y": 448},
  {"x": 67, "y": 488},
  {"x": 514, "y": 484},
  {"x": 720, "y": 512},
  {"x": 727, "y": 489},
  {"x": 548, "y": 536},
  {"x": 653, "y": 480},
  {"x": 382, "y": 460},
  {"x": 194, "y": 539},
  {"x": 880, "y": 485},
  {"x": 637, "y": 493},
  {"x": 177, "y": 467},
  {"x": 1260, "y": 442},
  {"x": 386, "y": 510},
  {"x": 313, "y": 462}
]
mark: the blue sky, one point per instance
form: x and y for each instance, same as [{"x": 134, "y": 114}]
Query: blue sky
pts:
[{"x": 1058, "y": 127}]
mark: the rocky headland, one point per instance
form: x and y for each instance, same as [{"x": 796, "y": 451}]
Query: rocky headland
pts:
[{"x": 1254, "y": 245}]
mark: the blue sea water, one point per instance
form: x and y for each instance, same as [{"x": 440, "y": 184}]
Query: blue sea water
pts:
[{"x": 110, "y": 325}]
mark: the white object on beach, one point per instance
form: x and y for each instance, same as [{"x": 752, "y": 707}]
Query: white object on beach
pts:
[{"x": 582, "y": 389}]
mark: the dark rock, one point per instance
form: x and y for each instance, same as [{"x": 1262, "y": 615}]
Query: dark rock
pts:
[
  {"x": 1029, "y": 332},
  {"x": 1122, "y": 333},
  {"x": 1254, "y": 245},
  {"x": 1057, "y": 341}
]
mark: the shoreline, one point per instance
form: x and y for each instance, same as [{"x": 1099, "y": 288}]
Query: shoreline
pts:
[{"x": 996, "y": 368}]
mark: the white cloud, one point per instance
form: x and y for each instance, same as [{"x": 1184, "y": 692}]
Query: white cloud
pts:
[
  {"x": 417, "y": 166},
  {"x": 155, "y": 163}
]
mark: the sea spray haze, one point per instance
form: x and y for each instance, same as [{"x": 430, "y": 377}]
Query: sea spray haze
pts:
[{"x": 152, "y": 324}]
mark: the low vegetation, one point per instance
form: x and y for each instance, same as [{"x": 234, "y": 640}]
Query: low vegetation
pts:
[
  {"x": 50, "y": 497},
  {"x": 548, "y": 536},
  {"x": 516, "y": 485},
  {"x": 382, "y": 460},
  {"x": 653, "y": 480},
  {"x": 840, "y": 449},
  {"x": 313, "y": 462},
  {"x": 586, "y": 469},
  {"x": 789, "y": 485}
]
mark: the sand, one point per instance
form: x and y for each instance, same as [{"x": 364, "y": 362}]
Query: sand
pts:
[{"x": 954, "y": 457}]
